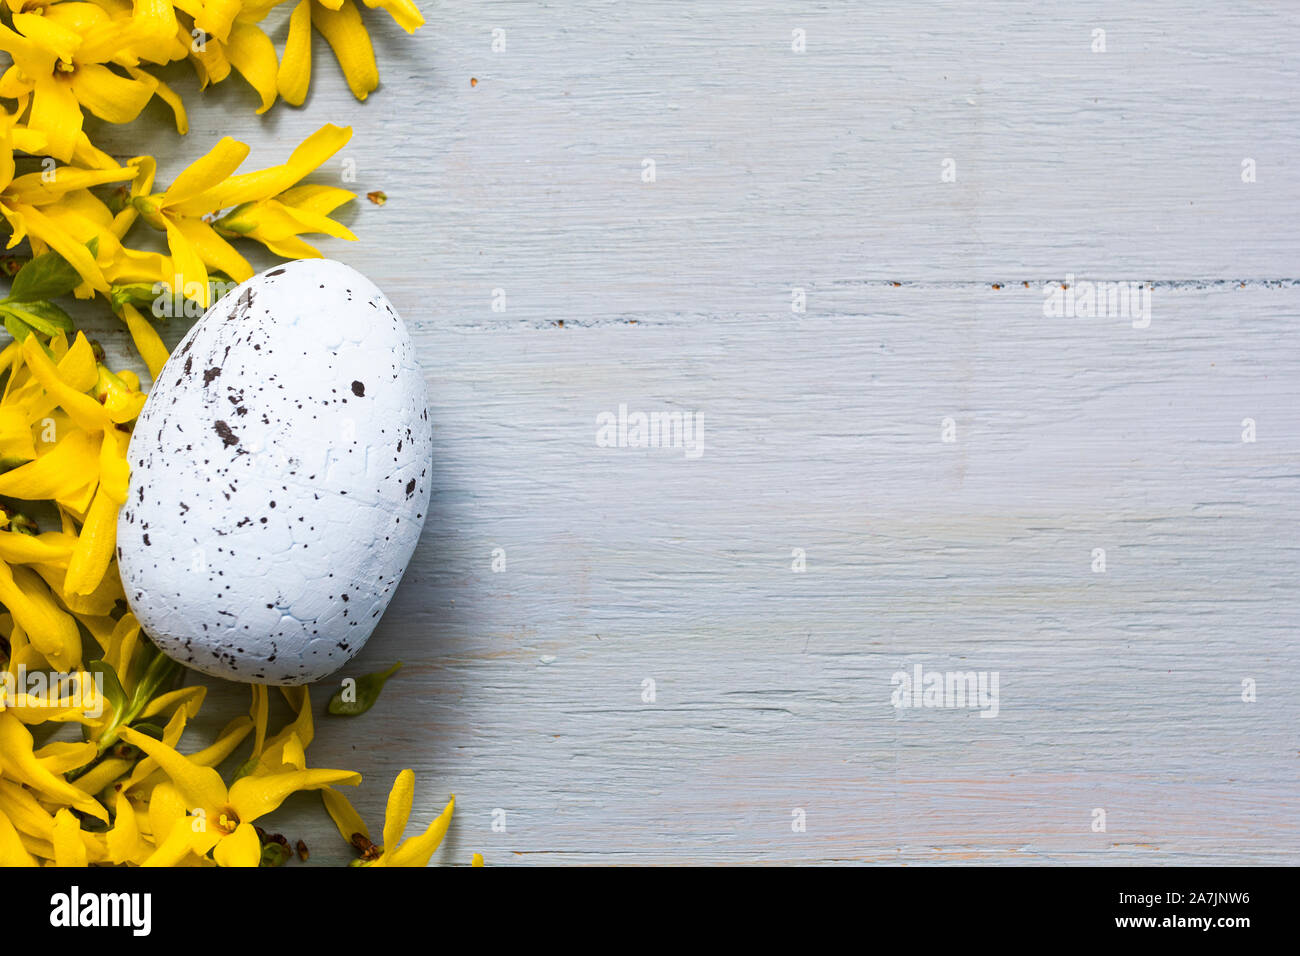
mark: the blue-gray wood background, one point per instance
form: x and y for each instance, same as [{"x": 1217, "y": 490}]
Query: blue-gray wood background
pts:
[{"x": 650, "y": 679}]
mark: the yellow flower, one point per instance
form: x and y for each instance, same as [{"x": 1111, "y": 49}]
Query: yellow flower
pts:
[
  {"x": 277, "y": 222},
  {"x": 61, "y": 64},
  {"x": 209, "y": 186},
  {"x": 395, "y": 851},
  {"x": 226, "y": 35},
  {"x": 83, "y": 470},
  {"x": 340, "y": 23},
  {"x": 22, "y": 765},
  {"x": 37, "y": 206},
  {"x": 65, "y": 421},
  {"x": 220, "y": 819}
]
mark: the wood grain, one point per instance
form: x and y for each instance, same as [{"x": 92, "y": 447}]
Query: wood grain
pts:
[{"x": 822, "y": 170}]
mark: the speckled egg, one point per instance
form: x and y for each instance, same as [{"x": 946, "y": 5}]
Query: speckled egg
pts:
[{"x": 279, "y": 478}]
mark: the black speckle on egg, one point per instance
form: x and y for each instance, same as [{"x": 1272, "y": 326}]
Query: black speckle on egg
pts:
[
  {"x": 228, "y": 437},
  {"x": 358, "y": 389}
]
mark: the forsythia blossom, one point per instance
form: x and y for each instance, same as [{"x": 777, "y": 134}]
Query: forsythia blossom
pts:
[{"x": 105, "y": 780}]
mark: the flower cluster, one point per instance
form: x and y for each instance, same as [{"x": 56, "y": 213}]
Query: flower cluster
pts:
[
  {"x": 91, "y": 713},
  {"x": 76, "y": 56}
]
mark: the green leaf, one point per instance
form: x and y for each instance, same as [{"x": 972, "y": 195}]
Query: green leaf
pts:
[
  {"x": 16, "y": 327},
  {"x": 45, "y": 277},
  {"x": 114, "y": 695},
  {"x": 45, "y": 317},
  {"x": 135, "y": 293},
  {"x": 158, "y": 673},
  {"x": 359, "y": 698}
]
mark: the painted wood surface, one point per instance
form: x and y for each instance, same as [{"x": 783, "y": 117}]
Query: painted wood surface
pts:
[{"x": 526, "y": 689}]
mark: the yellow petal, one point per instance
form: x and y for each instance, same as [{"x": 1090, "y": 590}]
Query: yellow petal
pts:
[
  {"x": 158, "y": 26},
  {"x": 272, "y": 755},
  {"x": 168, "y": 96},
  {"x": 254, "y": 796},
  {"x": 113, "y": 98},
  {"x": 12, "y": 851},
  {"x": 398, "y": 812},
  {"x": 272, "y": 221},
  {"x": 87, "y": 413},
  {"x": 343, "y": 814},
  {"x": 306, "y": 220},
  {"x": 291, "y": 248},
  {"x": 231, "y": 736},
  {"x": 317, "y": 199},
  {"x": 293, "y": 755},
  {"x": 68, "y": 848},
  {"x": 133, "y": 265},
  {"x": 294, "y": 76},
  {"x": 146, "y": 338},
  {"x": 191, "y": 278},
  {"x": 257, "y": 712},
  {"x": 51, "y": 630},
  {"x": 209, "y": 61},
  {"x": 101, "y": 602},
  {"x": 41, "y": 188},
  {"x": 241, "y": 848},
  {"x": 114, "y": 472},
  {"x": 120, "y": 646},
  {"x": 123, "y": 840},
  {"x": 214, "y": 250},
  {"x": 14, "y": 83},
  {"x": 217, "y": 17},
  {"x": 62, "y": 756},
  {"x": 21, "y": 765},
  {"x": 18, "y": 548},
  {"x": 48, "y": 231},
  {"x": 417, "y": 850},
  {"x": 148, "y": 767},
  {"x": 199, "y": 786},
  {"x": 265, "y": 183},
  {"x": 95, "y": 545},
  {"x": 191, "y": 698},
  {"x": 405, "y": 13},
  {"x": 165, "y": 809},
  {"x": 180, "y": 842},
  {"x": 251, "y": 52},
  {"x": 56, "y": 113},
  {"x": 222, "y": 160},
  {"x": 89, "y": 156},
  {"x": 58, "y": 473},
  {"x": 59, "y": 39},
  {"x": 22, "y": 808},
  {"x": 347, "y": 36},
  {"x": 16, "y": 442},
  {"x": 77, "y": 368},
  {"x": 29, "y": 141},
  {"x": 102, "y": 774}
]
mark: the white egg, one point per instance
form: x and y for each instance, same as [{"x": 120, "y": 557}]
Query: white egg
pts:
[{"x": 280, "y": 476}]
